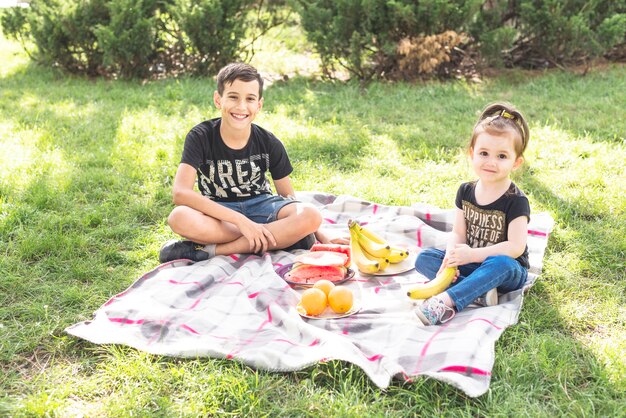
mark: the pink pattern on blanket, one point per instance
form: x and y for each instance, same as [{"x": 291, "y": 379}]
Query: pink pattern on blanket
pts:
[
  {"x": 465, "y": 369},
  {"x": 237, "y": 307}
]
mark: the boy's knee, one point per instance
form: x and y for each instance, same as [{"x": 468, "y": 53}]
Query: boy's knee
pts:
[
  {"x": 313, "y": 216},
  {"x": 176, "y": 217}
]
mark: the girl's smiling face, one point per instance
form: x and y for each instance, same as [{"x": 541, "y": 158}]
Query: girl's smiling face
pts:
[{"x": 494, "y": 157}]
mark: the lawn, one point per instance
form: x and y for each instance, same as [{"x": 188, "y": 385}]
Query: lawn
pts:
[{"x": 85, "y": 180}]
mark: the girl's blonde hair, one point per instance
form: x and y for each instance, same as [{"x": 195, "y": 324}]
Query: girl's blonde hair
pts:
[{"x": 501, "y": 117}]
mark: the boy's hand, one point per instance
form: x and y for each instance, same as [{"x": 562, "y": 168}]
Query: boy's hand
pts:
[
  {"x": 460, "y": 255},
  {"x": 340, "y": 240},
  {"x": 258, "y": 236},
  {"x": 325, "y": 239}
]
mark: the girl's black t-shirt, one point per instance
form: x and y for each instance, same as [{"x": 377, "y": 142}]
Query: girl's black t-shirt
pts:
[{"x": 488, "y": 224}]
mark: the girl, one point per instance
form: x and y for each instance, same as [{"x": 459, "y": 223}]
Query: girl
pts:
[{"x": 488, "y": 240}]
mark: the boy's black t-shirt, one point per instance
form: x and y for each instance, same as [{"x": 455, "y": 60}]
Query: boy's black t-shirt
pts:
[
  {"x": 488, "y": 224},
  {"x": 227, "y": 174}
]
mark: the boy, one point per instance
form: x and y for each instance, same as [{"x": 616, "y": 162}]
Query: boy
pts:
[{"x": 235, "y": 211}]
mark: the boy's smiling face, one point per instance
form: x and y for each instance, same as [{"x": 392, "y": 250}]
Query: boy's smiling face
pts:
[{"x": 239, "y": 104}]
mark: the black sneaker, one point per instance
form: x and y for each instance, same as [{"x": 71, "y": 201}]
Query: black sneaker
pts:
[
  {"x": 304, "y": 244},
  {"x": 176, "y": 249}
]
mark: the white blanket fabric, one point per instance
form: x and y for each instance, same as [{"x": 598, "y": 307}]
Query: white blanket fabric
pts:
[{"x": 238, "y": 308}]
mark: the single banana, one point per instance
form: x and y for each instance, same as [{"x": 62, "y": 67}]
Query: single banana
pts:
[
  {"x": 364, "y": 264},
  {"x": 433, "y": 287},
  {"x": 383, "y": 262},
  {"x": 397, "y": 255},
  {"x": 373, "y": 248}
]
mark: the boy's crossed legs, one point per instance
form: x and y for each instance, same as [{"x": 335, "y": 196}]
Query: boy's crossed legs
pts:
[{"x": 292, "y": 224}]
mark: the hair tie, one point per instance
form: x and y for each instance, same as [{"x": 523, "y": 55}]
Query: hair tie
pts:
[
  {"x": 504, "y": 114},
  {"x": 507, "y": 115}
]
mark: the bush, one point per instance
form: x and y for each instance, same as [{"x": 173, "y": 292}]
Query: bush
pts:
[
  {"x": 424, "y": 54},
  {"x": 363, "y": 35},
  {"x": 138, "y": 38},
  {"x": 214, "y": 28},
  {"x": 541, "y": 33},
  {"x": 128, "y": 39},
  {"x": 61, "y": 31}
]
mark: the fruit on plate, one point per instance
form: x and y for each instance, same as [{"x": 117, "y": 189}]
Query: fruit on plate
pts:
[
  {"x": 324, "y": 285},
  {"x": 340, "y": 299},
  {"x": 371, "y": 253},
  {"x": 322, "y": 258},
  {"x": 309, "y": 273},
  {"x": 364, "y": 264},
  {"x": 313, "y": 301},
  {"x": 435, "y": 286},
  {"x": 338, "y": 248}
]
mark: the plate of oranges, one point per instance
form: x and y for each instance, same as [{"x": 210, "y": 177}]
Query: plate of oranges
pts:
[{"x": 326, "y": 300}]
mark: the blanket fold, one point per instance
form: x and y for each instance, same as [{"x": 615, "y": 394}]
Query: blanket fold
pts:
[{"x": 239, "y": 308}]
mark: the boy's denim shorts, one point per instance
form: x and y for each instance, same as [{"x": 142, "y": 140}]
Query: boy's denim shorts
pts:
[{"x": 261, "y": 209}]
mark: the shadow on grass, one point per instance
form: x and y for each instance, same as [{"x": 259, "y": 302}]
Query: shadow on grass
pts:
[
  {"x": 599, "y": 234},
  {"x": 78, "y": 233}
]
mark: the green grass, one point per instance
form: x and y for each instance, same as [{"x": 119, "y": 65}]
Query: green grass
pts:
[{"x": 86, "y": 172}]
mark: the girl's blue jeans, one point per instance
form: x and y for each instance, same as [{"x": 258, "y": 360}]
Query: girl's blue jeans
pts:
[{"x": 475, "y": 279}]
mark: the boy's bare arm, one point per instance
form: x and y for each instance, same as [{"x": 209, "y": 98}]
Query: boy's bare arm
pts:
[{"x": 284, "y": 187}]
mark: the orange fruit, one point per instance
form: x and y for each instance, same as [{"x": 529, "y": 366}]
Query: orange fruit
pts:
[
  {"x": 314, "y": 301},
  {"x": 340, "y": 299},
  {"x": 324, "y": 285}
]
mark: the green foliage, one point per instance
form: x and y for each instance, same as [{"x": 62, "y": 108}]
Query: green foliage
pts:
[
  {"x": 61, "y": 29},
  {"x": 549, "y": 32},
  {"x": 363, "y": 35},
  {"x": 128, "y": 40},
  {"x": 137, "y": 38},
  {"x": 215, "y": 29},
  {"x": 14, "y": 22},
  {"x": 494, "y": 42}
]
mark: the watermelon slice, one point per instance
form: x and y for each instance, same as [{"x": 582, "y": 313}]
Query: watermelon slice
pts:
[
  {"x": 337, "y": 248},
  {"x": 322, "y": 258},
  {"x": 309, "y": 274}
]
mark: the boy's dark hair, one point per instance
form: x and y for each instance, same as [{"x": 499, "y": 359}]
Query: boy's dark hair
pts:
[
  {"x": 500, "y": 116},
  {"x": 238, "y": 71}
]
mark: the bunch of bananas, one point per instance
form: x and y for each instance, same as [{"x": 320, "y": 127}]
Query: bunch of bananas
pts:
[{"x": 370, "y": 252}]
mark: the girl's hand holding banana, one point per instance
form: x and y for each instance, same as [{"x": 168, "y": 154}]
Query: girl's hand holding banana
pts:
[
  {"x": 460, "y": 255},
  {"x": 434, "y": 287}
]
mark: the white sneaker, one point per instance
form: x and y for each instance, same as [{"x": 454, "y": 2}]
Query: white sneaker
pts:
[
  {"x": 488, "y": 299},
  {"x": 433, "y": 312}
]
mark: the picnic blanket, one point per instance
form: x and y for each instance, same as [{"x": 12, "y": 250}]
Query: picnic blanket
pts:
[{"x": 237, "y": 307}]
